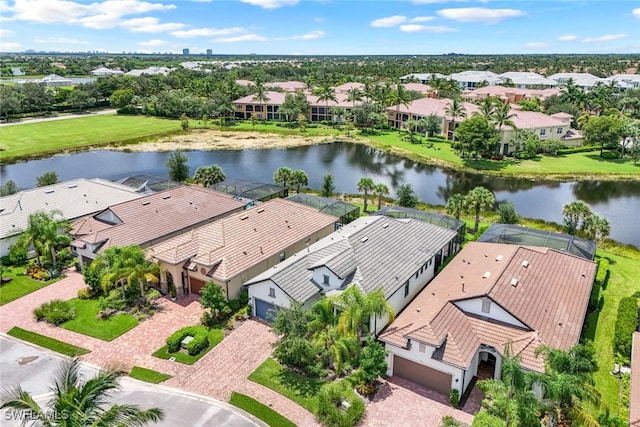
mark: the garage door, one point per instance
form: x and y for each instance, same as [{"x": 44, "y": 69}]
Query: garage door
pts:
[
  {"x": 423, "y": 375},
  {"x": 196, "y": 285},
  {"x": 265, "y": 310}
]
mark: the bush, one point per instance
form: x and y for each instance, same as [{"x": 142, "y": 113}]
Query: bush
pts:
[
  {"x": 610, "y": 155},
  {"x": 297, "y": 352},
  {"x": 449, "y": 421},
  {"x": 85, "y": 293},
  {"x": 602, "y": 275},
  {"x": 507, "y": 213},
  {"x": 330, "y": 410},
  {"x": 37, "y": 273},
  {"x": 54, "y": 312},
  {"x": 594, "y": 298},
  {"x": 454, "y": 397},
  {"x": 626, "y": 324},
  {"x": 153, "y": 294},
  {"x": 578, "y": 150},
  {"x": 200, "y": 340},
  {"x": 17, "y": 255},
  {"x": 112, "y": 301},
  {"x": 485, "y": 419}
]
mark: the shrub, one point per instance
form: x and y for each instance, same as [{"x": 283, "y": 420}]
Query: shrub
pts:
[
  {"x": 449, "y": 421},
  {"x": 229, "y": 325},
  {"x": 485, "y": 419},
  {"x": 153, "y": 294},
  {"x": 17, "y": 255},
  {"x": 594, "y": 298},
  {"x": 296, "y": 352},
  {"x": 578, "y": 149},
  {"x": 85, "y": 293},
  {"x": 200, "y": 340},
  {"x": 602, "y": 275},
  {"x": 454, "y": 397},
  {"x": 112, "y": 301},
  {"x": 507, "y": 213},
  {"x": 37, "y": 273},
  {"x": 330, "y": 410},
  {"x": 610, "y": 155},
  {"x": 626, "y": 324},
  {"x": 55, "y": 312}
]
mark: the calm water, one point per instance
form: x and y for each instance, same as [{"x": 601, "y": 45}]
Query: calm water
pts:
[{"x": 618, "y": 201}]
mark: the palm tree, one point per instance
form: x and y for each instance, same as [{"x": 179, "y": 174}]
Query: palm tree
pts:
[
  {"x": 208, "y": 175},
  {"x": 47, "y": 234},
  {"x": 575, "y": 212},
  {"x": 357, "y": 307},
  {"x": 299, "y": 178},
  {"x": 126, "y": 266},
  {"x": 326, "y": 93},
  {"x": 282, "y": 176},
  {"x": 455, "y": 205},
  {"x": 260, "y": 95},
  {"x": 399, "y": 97},
  {"x": 365, "y": 185},
  {"x": 503, "y": 116},
  {"x": 412, "y": 125},
  {"x": 380, "y": 190},
  {"x": 478, "y": 199},
  {"x": 79, "y": 402},
  {"x": 433, "y": 125},
  {"x": 354, "y": 95},
  {"x": 596, "y": 227},
  {"x": 488, "y": 107},
  {"x": 455, "y": 110}
]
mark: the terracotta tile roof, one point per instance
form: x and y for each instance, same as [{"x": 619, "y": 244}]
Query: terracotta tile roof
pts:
[
  {"x": 418, "y": 87},
  {"x": 154, "y": 216},
  {"x": 232, "y": 244},
  {"x": 634, "y": 398},
  {"x": 534, "y": 120},
  {"x": 427, "y": 106},
  {"x": 348, "y": 86},
  {"x": 550, "y": 298},
  {"x": 275, "y": 98},
  {"x": 290, "y": 86}
]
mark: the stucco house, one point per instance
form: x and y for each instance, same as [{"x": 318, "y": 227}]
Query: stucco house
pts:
[
  {"x": 397, "y": 256},
  {"x": 233, "y": 249},
  {"x": 73, "y": 199},
  {"x": 150, "y": 219},
  {"x": 103, "y": 71},
  {"x": 490, "y": 297}
]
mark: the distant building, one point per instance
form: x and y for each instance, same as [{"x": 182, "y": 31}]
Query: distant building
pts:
[
  {"x": 102, "y": 71},
  {"x": 209, "y": 52},
  {"x": 185, "y": 51}
]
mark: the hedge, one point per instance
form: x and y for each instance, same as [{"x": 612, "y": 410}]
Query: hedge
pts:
[
  {"x": 602, "y": 275},
  {"x": 626, "y": 324},
  {"x": 200, "y": 339},
  {"x": 585, "y": 149}
]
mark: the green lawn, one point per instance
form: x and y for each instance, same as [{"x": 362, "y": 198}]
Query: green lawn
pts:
[
  {"x": 46, "y": 342},
  {"x": 21, "y": 285},
  {"x": 40, "y": 139},
  {"x": 600, "y": 325},
  {"x": 259, "y": 410},
  {"x": 86, "y": 322},
  {"x": 148, "y": 375},
  {"x": 271, "y": 127},
  {"x": 215, "y": 336}
]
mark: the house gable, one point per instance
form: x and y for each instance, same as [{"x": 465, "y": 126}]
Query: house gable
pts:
[{"x": 487, "y": 307}]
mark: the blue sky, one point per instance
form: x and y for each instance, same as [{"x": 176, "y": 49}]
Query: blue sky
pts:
[{"x": 356, "y": 27}]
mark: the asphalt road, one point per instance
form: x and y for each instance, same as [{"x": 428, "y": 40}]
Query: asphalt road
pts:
[
  {"x": 52, "y": 119},
  {"x": 33, "y": 368}
]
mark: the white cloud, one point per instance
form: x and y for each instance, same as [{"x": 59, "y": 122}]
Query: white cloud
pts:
[
  {"x": 239, "y": 39},
  {"x": 389, "y": 21},
  {"x": 537, "y": 45},
  {"x": 434, "y": 1},
  {"x": 568, "y": 38},
  {"x": 9, "y": 47},
  {"x": 153, "y": 43},
  {"x": 5, "y": 33},
  {"x": 636, "y": 12},
  {"x": 605, "y": 38},
  {"x": 271, "y": 4},
  {"x": 207, "y": 32},
  {"x": 319, "y": 19},
  {"x": 149, "y": 25},
  {"x": 60, "y": 40},
  {"x": 310, "y": 36},
  {"x": 480, "y": 14},
  {"x": 422, "y": 19},
  {"x": 412, "y": 28}
]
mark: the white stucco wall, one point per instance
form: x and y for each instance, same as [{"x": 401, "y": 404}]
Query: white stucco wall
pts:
[
  {"x": 6, "y": 243},
  {"x": 318, "y": 277},
  {"x": 261, "y": 291},
  {"x": 474, "y": 306}
]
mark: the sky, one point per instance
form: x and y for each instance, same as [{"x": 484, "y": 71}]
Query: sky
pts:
[{"x": 322, "y": 27}]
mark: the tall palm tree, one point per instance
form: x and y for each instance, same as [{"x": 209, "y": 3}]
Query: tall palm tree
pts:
[
  {"x": 455, "y": 205},
  {"x": 455, "y": 110},
  {"x": 574, "y": 213},
  {"x": 433, "y": 125},
  {"x": 127, "y": 266},
  {"x": 478, "y": 199},
  {"x": 357, "y": 307},
  {"x": 354, "y": 95},
  {"x": 47, "y": 234},
  {"x": 503, "y": 116},
  {"x": 326, "y": 93},
  {"x": 260, "y": 94},
  {"x": 366, "y": 185},
  {"x": 209, "y": 175},
  {"x": 488, "y": 107},
  {"x": 79, "y": 402},
  {"x": 282, "y": 176},
  {"x": 299, "y": 178},
  {"x": 399, "y": 96},
  {"x": 596, "y": 227},
  {"x": 380, "y": 190}
]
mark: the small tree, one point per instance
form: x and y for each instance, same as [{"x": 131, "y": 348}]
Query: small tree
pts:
[
  {"x": 299, "y": 178},
  {"x": 215, "y": 299},
  {"x": 406, "y": 196},
  {"x": 366, "y": 185},
  {"x": 373, "y": 361},
  {"x": 328, "y": 187},
  {"x": 302, "y": 122},
  {"x": 575, "y": 214},
  {"x": 478, "y": 199},
  {"x": 507, "y": 213},
  {"x": 8, "y": 188},
  {"x": 455, "y": 205},
  {"x": 380, "y": 190},
  {"x": 184, "y": 122},
  {"x": 178, "y": 165},
  {"x": 433, "y": 125},
  {"x": 283, "y": 176},
  {"x": 47, "y": 178},
  {"x": 208, "y": 175}
]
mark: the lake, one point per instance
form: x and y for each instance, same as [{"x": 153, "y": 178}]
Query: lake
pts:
[{"x": 619, "y": 201}]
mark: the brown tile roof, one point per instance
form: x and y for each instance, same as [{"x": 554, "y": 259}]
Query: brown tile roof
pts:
[
  {"x": 418, "y": 87},
  {"x": 231, "y": 245},
  {"x": 290, "y": 86},
  {"x": 275, "y": 98},
  {"x": 550, "y": 299},
  {"x": 151, "y": 217},
  {"x": 634, "y": 398},
  {"x": 427, "y": 106}
]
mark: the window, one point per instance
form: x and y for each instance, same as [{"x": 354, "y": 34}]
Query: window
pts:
[
  {"x": 543, "y": 132},
  {"x": 272, "y": 292},
  {"x": 422, "y": 347},
  {"x": 406, "y": 288},
  {"x": 249, "y": 108},
  {"x": 486, "y": 305},
  {"x": 559, "y": 131},
  {"x": 417, "y": 274},
  {"x": 325, "y": 279},
  {"x": 282, "y": 256}
]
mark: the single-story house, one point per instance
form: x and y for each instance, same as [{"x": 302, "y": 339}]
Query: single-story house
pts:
[
  {"x": 423, "y": 78},
  {"x": 103, "y": 71},
  {"x": 471, "y": 78},
  {"x": 397, "y": 256},
  {"x": 233, "y": 249},
  {"x": 54, "y": 80},
  {"x": 150, "y": 219},
  {"x": 151, "y": 71},
  {"x": 634, "y": 398},
  {"x": 491, "y": 298},
  {"x": 509, "y": 94},
  {"x": 527, "y": 79},
  {"x": 73, "y": 199}
]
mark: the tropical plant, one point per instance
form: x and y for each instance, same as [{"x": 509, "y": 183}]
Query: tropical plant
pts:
[
  {"x": 575, "y": 213},
  {"x": 126, "y": 266},
  {"x": 366, "y": 185},
  {"x": 596, "y": 227},
  {"x": 478, "y": 135},
  {"x": 502, "y": 116},
  {"x": 47, "y": 178},
  {"x": 325, "y": 93},
  {"x": 178, "y": 165},
  {"x": 406, "y": 196},
  {"x": 488, "y": 107},
  {"x": 299, "y": 178},
  {"x": 455, "y": 110},
  {"x": 380, "y": 191},
  {"x": 455, "y": 205},
  {"x": 209, "y": 175},
  {"x": 327, "y": 187},
  {"x": 260, "y": 94},
  {"x": 356, "y": 307},
  {"x": 477, "y": 200},
  {"x": 79, "y": 402},
  {"x": 282, "y": 176},
  {"x": 47, "y": 234},
  {"x": 8, "y": 188},
  {"x": 507, "y": 213},
  {"x": 432, "y": 125},
  {"x": 399, "y": 97}
]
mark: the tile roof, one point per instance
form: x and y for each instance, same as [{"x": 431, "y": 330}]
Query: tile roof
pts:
[
  {"x": 634, "y": 398},
  {"x": 385, "y": 252},
  {"x": 74, "y": 199},
  {"x": 348, "y": 86},
  {"x": 154, "y": 216},
  {"x": 232, "y": 244},
  {"x": 527, "y": 78},
  {"x": 428, "y": 106},
  {"x": 290, "y": 86},
  {"x": 418, "y": 87},
  {"x": 550, "y": 299},
  {"x": 533, "y": 120},
  {"x": 275, "y": 98}
]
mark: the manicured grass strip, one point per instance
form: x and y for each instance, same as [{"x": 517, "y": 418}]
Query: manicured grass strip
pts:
[
  {"x": 20, "y": 285},
  {"x": 46, "y": 342},
  {"x": 259, "y": 410},
  {"x": 296, "y": 387},
  {"x": 215, "y": 336},
  {"x": 86, "y": 322},
  {"x": 148, "y": 375}
]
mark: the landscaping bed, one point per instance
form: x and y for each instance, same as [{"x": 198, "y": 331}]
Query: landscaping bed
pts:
[
  {"x": 87, "y": 322},
  {"x": 148, "y": 375},
  {"x": 20, "y": 284},
  {"x": 46, "y": 342},
  {"x": 259, "y": 410},
  {"x": 214, "y": 337}
]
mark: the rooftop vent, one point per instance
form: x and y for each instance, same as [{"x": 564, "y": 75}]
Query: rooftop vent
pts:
[
  {"x": 364, "y": 239},
  {"x": 73, "y": 186},
  {"x": 260, "y": 210},
  {"x": 146, "y": 202},
  {"x": 49, "y": 191},
  {"x": 499, "y": 258},
  {"x": 525, "y": 263},
  {"x": 486, "y": 275},
  {"x": 514, "y": 282},
  {"x": 168, "y": 196},
  {"x": 243, "y": 217},
  {"x": 385, "y": 225}
]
